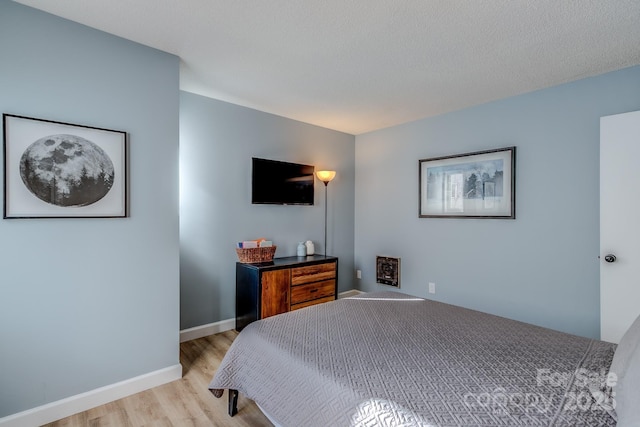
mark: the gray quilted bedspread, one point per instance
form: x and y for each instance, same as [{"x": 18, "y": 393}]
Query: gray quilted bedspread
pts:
[{"x": 390, "y": 359}]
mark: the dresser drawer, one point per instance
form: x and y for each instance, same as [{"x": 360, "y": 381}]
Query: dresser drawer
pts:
[
  {"x": 312, "y": 302},
  {"x": 313, "y": 273},
  {"x": 312, "y": 291}
]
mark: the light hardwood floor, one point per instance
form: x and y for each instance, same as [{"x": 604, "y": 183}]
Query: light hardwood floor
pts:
[{"x": 185, "y": 402}]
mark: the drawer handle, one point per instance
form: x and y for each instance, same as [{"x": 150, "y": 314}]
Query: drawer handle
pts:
[{"x": 313, "y": 290}]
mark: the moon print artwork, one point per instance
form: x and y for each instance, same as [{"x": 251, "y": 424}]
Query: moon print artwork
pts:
[
  {"x": 60, "y": 170},
  {"x": 66, "y": 170}
]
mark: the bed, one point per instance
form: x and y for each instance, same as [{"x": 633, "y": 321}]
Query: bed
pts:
[{"x": 390, "y": 359}]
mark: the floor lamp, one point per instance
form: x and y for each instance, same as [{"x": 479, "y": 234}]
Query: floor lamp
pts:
[{"x": 326, "y": 177}]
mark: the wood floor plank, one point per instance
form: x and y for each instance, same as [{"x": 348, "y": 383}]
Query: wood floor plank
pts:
[
  {"x": 144, "y": 409},
  {"x": 115, "y": 417},
  {"x": 178, "y": 401},
  {"x": 183, "y": 403}
]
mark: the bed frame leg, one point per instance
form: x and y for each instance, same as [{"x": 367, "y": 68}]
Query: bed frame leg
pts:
[{"x": 233, "y": 402}]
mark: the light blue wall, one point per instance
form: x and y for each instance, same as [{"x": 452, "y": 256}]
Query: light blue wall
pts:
[
  {"x": 86, "y": 303},
  {"x": 542, "y": 267},
  {"x": 217, "y": 142}
]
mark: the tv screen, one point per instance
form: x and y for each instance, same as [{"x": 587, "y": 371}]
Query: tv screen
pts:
[{"x": 281, "y": 183}]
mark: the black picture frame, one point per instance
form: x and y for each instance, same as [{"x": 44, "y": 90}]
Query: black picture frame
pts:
[
  {"x": 481, "y": 184},
  {"x": 61, "y": 170}
]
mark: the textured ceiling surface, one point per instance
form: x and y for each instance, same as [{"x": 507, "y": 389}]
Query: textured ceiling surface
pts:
[{"x": 361, "y": 65}]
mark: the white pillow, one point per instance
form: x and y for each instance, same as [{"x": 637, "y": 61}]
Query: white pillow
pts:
[
  {"x": 626, "y": 347},
  {"x": 628, "y": 393},
  {"x": 626, "y": 366}
]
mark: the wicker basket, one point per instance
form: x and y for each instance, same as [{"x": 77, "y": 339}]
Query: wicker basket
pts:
[{"x": 255, "y": 255}]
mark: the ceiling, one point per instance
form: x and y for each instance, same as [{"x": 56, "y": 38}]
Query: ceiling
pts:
[{"x": 361, "y": 65}]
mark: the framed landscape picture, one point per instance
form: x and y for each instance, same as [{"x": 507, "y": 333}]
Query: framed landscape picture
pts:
[
  {"x": 471, "y": 185},
  {"x": 62, "y": 170}
]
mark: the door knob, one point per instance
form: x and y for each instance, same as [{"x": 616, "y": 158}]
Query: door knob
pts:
[{"x": 610, "y": 258}]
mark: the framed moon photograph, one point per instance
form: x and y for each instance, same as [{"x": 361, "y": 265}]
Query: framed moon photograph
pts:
[{"x": 61, "y": 170}]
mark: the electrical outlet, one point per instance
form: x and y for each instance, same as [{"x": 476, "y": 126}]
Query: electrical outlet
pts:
[
  {"x": 358, "y": 274},
  {"x": 432, "y": 288}
]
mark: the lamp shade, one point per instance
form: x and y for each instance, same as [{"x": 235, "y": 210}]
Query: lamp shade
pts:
[{"x": 326, "y": 176}]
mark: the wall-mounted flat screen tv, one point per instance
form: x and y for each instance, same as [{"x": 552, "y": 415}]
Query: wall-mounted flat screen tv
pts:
[{"x": 281, "y": 183}]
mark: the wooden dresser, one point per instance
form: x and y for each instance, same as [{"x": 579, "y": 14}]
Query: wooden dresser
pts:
[{"x": 286, "y": 284}]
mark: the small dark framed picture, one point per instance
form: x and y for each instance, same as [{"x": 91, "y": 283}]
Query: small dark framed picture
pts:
[
  {"x": 62, "y": 170},
  {"x": 471, "y": 185},
  {"x": 388, "y": 271}
]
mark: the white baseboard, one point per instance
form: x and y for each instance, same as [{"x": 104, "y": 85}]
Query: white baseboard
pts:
[
  {"x": 206, "y": 330},
  {"x": 84, "y": 401},
  {"x": 351, "y": 293}
]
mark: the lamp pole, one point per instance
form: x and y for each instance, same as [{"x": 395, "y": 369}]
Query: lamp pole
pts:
[
  {"x": 325, "y": 177},
  {"x": 326, "y": 188}
]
